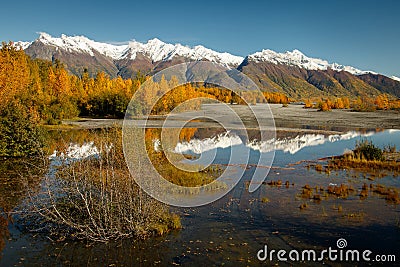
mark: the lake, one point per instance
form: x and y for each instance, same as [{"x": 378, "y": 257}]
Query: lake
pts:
[{"x": 232, "y": 230}]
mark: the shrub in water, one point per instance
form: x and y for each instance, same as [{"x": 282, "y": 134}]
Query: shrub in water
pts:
[{"x": 367, "y": 150}]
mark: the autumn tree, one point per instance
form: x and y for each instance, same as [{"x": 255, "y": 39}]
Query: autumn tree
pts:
[
  {"x": 363, "y": 104},
  {"x": 308, "y": 103},
  {"x": 19, "y": 134},
  {"x": 277, "y": 98},
  {"x": 14, "y": 72},
  {"x": 382, "y": 102},
  {"x": 338, "y": 104},
  {"x": 325, "y": 105}
]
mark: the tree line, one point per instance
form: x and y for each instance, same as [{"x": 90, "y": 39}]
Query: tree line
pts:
[{"x": 361, "y": 103}]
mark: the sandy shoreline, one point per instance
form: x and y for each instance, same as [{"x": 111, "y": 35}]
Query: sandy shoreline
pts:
[{"x": 291, "y": 118}]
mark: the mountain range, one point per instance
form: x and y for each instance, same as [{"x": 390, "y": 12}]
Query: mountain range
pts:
[{"x": 292, "y": 73}]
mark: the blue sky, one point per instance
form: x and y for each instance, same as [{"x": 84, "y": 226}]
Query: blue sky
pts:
[{"x": 364, "y": 34}]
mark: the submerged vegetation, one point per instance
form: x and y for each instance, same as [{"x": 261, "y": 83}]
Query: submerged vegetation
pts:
[
  {"x": 344, "y": 191},
  {"x": 365, "y": 158}
]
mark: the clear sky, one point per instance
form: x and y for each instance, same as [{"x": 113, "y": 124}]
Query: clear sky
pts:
[{"x": 361, "y": 33}]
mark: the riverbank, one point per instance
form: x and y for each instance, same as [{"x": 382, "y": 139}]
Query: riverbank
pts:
[{"x": 286, "y": 119}]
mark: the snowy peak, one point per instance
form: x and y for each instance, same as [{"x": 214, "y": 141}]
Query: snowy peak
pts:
[
  {"x": 297, "y": 58},
  {"x": 155, "y": 49},
  {"x": 75, "y": 43},
  {"x": 395, "y": 78},
  {"x": 21, "y": 45},
  {"x": 81, "y": 44}
]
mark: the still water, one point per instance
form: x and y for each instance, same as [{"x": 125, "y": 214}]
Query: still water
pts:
[{"x": 233, "y": 229}]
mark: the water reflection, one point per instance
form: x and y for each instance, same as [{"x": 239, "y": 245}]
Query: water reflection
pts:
[{"x": 289, "y": 144}]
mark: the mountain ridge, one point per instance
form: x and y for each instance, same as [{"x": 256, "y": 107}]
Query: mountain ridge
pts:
[
  {"x": 159, "y": 50},
  {"x": 291, "y": 72}
]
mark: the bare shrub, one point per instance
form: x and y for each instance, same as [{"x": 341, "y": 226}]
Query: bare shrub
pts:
[{"x": 95, "y": 198}]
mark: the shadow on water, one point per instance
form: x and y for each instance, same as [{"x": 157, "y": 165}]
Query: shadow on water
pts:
[
  {"x": 14, "y": 184},
  {"x": 233, "y": 229}
]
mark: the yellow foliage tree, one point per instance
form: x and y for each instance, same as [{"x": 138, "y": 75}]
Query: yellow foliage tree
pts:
[{"x": 14, "y": 72}]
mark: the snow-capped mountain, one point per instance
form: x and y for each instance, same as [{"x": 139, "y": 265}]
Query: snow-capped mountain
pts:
[
  {"x": 155, "y": 49},
  {"x": 158, "y": 50},
  {"x": 299, "y": 76},
  {"x": 81, "y": 44},
  {"x": 297, "y": 58}
]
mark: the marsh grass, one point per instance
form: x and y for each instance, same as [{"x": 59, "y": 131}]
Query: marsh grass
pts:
[
  {"x": 369, "y": 166},
  {"x": 368, "y": 158}
]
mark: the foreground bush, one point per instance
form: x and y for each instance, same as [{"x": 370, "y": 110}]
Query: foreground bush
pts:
[
  {"x": 97, "y": 199},
  {"x": 19, "y": 132}
]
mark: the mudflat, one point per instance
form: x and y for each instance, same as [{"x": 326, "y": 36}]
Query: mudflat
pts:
[
  {"x": 284, "y": 118},
  {"x": 337, "y": 119}
]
